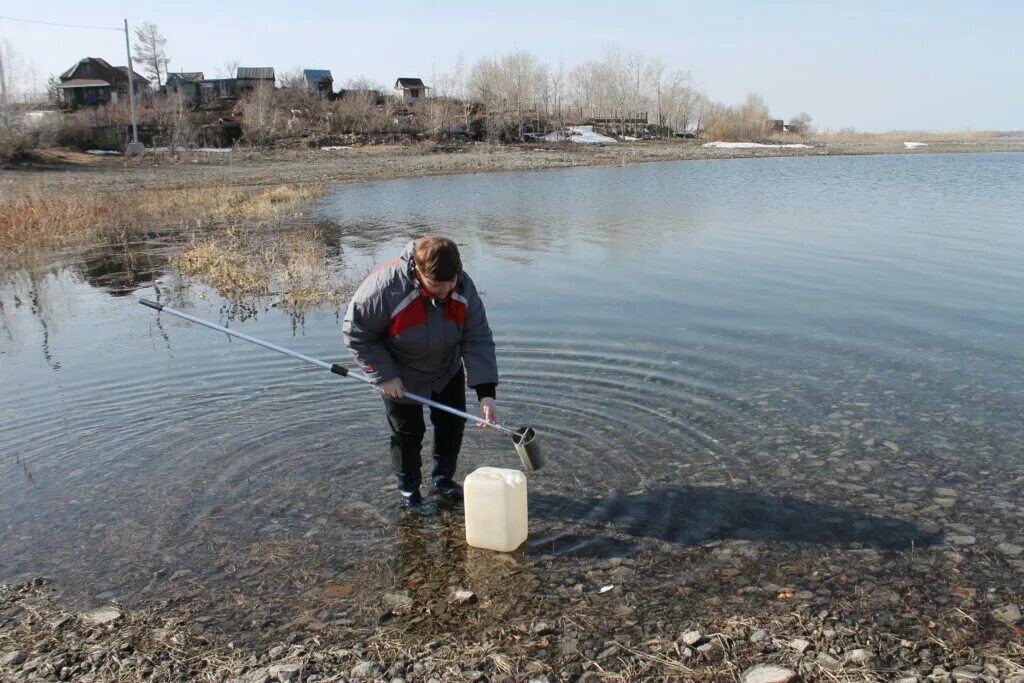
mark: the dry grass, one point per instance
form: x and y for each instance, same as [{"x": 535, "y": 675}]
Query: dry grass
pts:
[
  {"x": 899, "y": 136},
  {"x": 40, "y": 221}
]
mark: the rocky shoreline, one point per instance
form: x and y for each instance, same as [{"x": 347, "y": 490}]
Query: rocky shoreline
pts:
[{"x": 546, "y": 626}]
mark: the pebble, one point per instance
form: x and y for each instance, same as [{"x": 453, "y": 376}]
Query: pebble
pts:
[
  {"x": 285, "y": 673},
  {"x": 767, "y": 673},
  {"x": 800, "y": 645},
  {"x": 13, "y": 658},
  {"x": 1010, "y": 549},
  {"x": 758, "y": 635},
  {"x": 962, "y": 540},
  {"x": 692, "y": 637},
  {"x": 258, "y": 676},
  {"x": 541, "y": 627},
  {"x": 860, "y": 657},
  {"x": 100, "y": 617},
  {"x": 967, "y": 673},
  {"x": 366, "y": 670},
  {"x": 1009, "y": 615},
  {"x": 827, "y": 661},
  {"x": 568, "y": 646},
  {"x": 399, "y": 600}
]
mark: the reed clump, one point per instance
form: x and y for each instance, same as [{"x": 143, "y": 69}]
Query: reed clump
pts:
[
  {"x": 242, "y": 264},
  {"x": 39, "y": 221}
]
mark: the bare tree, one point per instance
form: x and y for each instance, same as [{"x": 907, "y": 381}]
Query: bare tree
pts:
[
  {"x": 801, "y": 123},
  {"x": 230, "y": 68},
  {"x": 149, "y": 50},
  {"x": 509, "y": 91},
  {"x": 261, "y": 117}
]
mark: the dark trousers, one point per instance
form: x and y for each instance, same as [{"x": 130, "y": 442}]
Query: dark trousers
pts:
[{"x": 407, "y": 430}]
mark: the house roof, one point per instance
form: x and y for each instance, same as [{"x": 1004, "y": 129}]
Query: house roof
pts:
[
  {"x": 186, "y": 75},
  {"x": 317, "y": 75},
  {"x": 102, "y": 62},
  {"x": 256, "y": 72},
  {"x": 135, "y": 74},
  {"x": 84, "y": 83},
  {"x": 409, "y": 83}
]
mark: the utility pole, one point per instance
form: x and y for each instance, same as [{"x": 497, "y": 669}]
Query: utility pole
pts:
[{"x": 135, "y": 147}]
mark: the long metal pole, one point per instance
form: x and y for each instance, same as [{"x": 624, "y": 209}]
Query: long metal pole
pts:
[
  {"x": 131, "y": 84},
  {"x": 333, "y": 367}
]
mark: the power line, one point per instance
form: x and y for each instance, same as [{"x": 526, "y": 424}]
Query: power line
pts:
[{"x": 50, "y": 23}]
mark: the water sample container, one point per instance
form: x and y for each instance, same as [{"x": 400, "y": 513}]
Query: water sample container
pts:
[{"x": 494, "y": 500}]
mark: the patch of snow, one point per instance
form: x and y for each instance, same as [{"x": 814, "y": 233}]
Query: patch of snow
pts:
[
  {"x": 752, "y": 145},
  {"x": 205, "y": 150},
  {"x": 581, "y": 134},
  {"x": 332, "y": 148},
  {"x": 914, "y": 145},
  {"x": 629, "y": 138},
  {"x": 100, "y": 152}
]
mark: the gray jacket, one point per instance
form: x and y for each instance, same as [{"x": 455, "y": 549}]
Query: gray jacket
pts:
[{"x": 394, "y": 329}]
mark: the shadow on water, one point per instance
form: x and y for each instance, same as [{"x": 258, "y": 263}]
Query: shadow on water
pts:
[{"x": 691, "y": 516}]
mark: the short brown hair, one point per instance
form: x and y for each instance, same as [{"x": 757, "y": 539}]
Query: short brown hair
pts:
[{"x": 437, "y": 258}]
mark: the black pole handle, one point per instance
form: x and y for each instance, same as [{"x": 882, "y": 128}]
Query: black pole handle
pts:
[{"x": 151, "y": 304}]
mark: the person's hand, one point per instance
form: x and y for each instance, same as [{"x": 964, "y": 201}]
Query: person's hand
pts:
[
  {"x": 487, "y": 411},
  {"x": 392, "y": 388}
]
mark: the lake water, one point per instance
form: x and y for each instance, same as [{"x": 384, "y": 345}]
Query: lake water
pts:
[{"x": 797, "y": 357}]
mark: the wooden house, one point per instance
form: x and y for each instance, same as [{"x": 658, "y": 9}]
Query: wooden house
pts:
[
  {"x": 410, "y": 90},
  {"x": 93, "y": 81},
  {"x": 185, "y": 84},
  {"x": 319, "y": 82},
  {"x": 249, "y": 78}
]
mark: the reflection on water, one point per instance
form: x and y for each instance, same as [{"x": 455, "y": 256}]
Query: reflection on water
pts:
[{"x": 772, "y": 363}]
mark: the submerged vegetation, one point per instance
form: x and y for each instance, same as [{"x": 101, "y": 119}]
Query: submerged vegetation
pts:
[{"x": 39, "y": 223}]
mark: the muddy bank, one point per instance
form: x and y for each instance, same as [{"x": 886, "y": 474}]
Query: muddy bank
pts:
[{"x": 63, "y": 171}]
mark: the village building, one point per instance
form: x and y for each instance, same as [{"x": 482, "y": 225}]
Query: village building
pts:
[
  {"x": 320, "y": 82},
  {"x": 410, "y": 90},
  {"x": 248, "y": 78},
  {"x": 93, "y": 81},
  {"x": 184, "y": 83}
]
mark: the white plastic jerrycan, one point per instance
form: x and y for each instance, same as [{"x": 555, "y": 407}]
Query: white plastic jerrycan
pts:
[{"x": 494, "y": 500}]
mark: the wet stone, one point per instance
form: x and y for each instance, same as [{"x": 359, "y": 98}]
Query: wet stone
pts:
[
  {"x": 1010, "y": 549},
  {"x": 962, "y": 540}
]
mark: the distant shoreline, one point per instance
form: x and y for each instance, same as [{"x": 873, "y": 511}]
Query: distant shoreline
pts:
[{"x": 66, "y": 170}]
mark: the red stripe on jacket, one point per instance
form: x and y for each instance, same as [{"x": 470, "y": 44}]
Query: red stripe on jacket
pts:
[
  {"x": 413, "y": 314},
  {"x": 416, "y": 314}
]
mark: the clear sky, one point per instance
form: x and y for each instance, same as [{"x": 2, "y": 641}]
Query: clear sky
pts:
[{"x": 876, "y": 66}]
